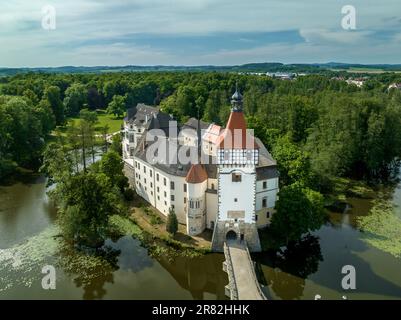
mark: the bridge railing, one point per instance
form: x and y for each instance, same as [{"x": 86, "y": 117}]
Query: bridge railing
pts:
[
  {"x": 262, "y": 295},
  {"x": 231, "y": 276}
]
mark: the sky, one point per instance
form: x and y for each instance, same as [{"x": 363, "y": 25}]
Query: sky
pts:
[{"x": 197, "y": 32}]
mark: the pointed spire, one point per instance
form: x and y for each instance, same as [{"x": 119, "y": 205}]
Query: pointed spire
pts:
[
  {"x": 198, "y": 133},
  {"x": 236, "y": 100}
]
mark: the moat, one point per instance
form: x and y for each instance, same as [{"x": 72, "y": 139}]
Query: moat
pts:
[{"x": 29, "y": 240}]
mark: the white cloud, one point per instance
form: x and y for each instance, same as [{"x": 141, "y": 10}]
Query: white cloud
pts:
[
  {"x": 324, "y": 36},
  {"x": 80, "y": 22}
]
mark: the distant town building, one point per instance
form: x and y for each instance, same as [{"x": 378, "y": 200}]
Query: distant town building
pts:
[
  {"x": 358, "y": 82},
  {"x": 395, "y": 86},
  {"x": 281, "y": 75}
]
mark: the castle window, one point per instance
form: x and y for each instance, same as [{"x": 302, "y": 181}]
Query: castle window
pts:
[
  {"x": 171, "y": 185},
  {"x": 164, "y": 181},
  {"x": 249, "y": 156},
  {"x": 151, "y": 173},
  {"x": 185, "y": 187},
  {"x": 139, "y": 165},
  {"x": 264, "y": 202},
  {"x": 158, "y": 198},
  {"x": 131, "y": 138},
  {"x": 131, "y": 152},
  {"x": 157, "y": 177},
  {"x": 256, "y": 217},
  {"x": 172, "y": 197},
  {"x": 236, "y": 177},
  {"x": 235, "y": 200},
  {"x": 144, "y": 169},
  {"x": 151, "y": 185},
  {"x": 144, "y": 180},
  {"x": 267, "y": 214},
  {"x": 172, "y": 207},
  {"x": 264, "y": 184},
  {"x": 185, "y": 200},
  {"x": 165, "y": 194},
  {"x": 158, "y": 189},
  {"x": 226, "y": 156},
  {"x": 151, "y": 192},
  {"x": 212, "y": 186},
  {"x": 165, "y": 203}
]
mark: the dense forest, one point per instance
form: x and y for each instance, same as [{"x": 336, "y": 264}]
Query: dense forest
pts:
[{"x": 318, "y": 128}]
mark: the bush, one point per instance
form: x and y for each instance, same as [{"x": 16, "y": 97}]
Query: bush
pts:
[
  {"x": 172, "y": 223},
  {"x": 7, "y": 167},
  {"x": 155, "y": 220},
  {"x": 129, "y": 194}
]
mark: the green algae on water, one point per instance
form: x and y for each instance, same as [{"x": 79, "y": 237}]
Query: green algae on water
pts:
[
  {"x": 382, "y": 228},
  {"x": 22, "y": 263}
]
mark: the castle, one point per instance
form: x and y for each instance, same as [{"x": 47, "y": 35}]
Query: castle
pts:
[{"x": 228, "y": 181}]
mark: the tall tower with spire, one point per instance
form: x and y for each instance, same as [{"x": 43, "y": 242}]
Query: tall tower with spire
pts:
[{"x": 237, "y": 158}]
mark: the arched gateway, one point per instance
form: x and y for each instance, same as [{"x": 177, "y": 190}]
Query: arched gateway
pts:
[{"x": 231, "y": 235}]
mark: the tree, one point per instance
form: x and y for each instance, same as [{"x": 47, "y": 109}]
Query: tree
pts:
[
  {"x": 212, "y": 107},
  {"x": 57, "y": 163},
  {"x": 172, "y": 222},
  {"x": 31, "y": 96},
  {"x": 52, "y": 96},
  {"x": 104, "y": 130},
  {"x": 112, "y": 166},
  {"x": 293, "y": 164},
  {"x": 44, "y": 113},
  {"x": 117, "y": 106},
  {"x": 116, "y": 144},
  {"x": 90, "y": 119},
  {"x": 23, "y": 138},
  {"x": 75, "y": 99},
  {"x": 88, "y": 200},
  {"x": 298, "y": 210}
]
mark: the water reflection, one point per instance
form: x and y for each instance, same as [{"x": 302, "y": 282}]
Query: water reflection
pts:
[
  {"x": 201, "y": 275},
  {"x": 288, "y": 268},
  {"x": 126, "y": 271},
  {"x": 25, "y": 210}
]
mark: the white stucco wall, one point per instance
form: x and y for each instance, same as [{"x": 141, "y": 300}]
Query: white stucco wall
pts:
[
  {"x": 211, "y": 208},
  {"x": 242, "y": 191},
  {"x": 158, "y": 194}
]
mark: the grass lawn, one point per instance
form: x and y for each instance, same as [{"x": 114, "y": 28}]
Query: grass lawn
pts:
[
  {"x": 103, "y": 119},
  {"x": 153, "y": 222}
]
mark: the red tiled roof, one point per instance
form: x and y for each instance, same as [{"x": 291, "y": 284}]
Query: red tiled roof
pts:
[
  {"x": 197, "y": 174},
  {"x": 236, "y": 128},
  {"x": 212, "y": 134}
]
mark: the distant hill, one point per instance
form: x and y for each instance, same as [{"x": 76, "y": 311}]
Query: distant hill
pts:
[{"x": 250, "y": 67}]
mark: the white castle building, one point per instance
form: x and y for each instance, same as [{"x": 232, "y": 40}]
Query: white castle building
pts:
[{"x": 232, "y": 190}]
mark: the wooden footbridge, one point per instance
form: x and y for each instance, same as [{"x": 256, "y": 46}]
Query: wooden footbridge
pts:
[{"x": 243, "y": 284}]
